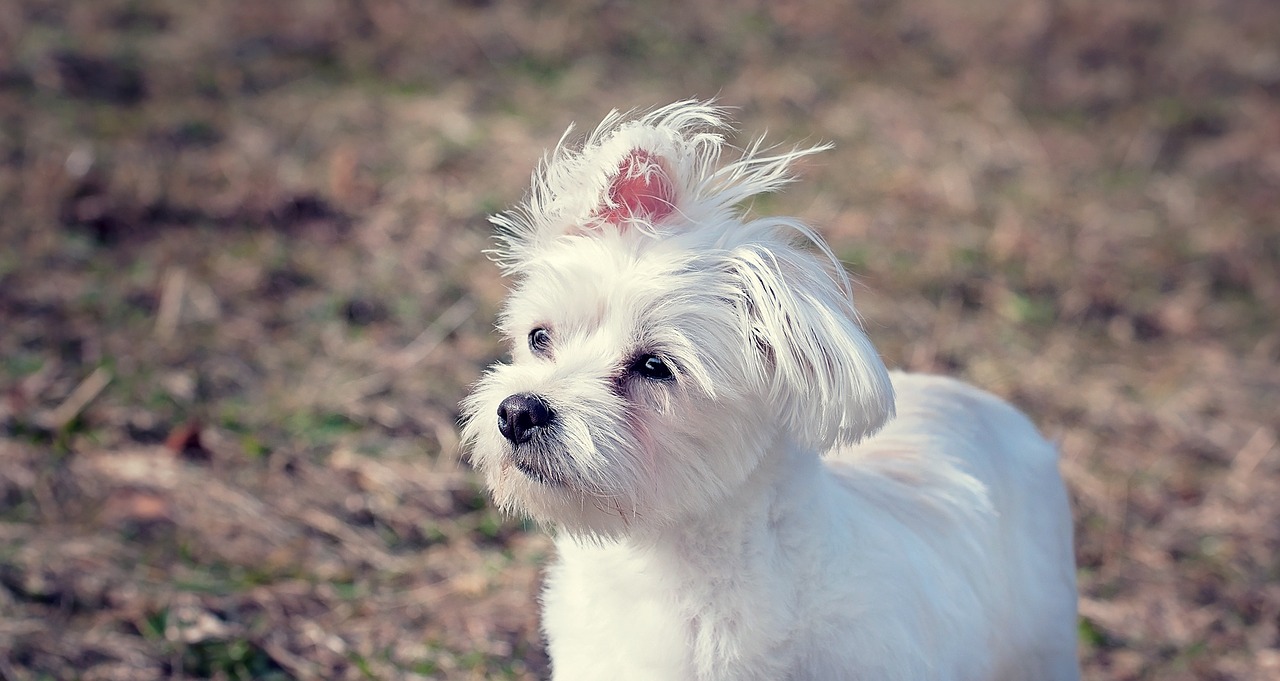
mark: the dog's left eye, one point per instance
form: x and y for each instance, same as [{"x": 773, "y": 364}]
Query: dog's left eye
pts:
[{"x": 651, "y": 367}]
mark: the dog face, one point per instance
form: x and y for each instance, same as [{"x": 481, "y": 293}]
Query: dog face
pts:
[{"x": 662, "y": 346}]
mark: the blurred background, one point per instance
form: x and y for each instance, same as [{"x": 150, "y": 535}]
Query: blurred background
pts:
[{"x": 242, "y": 291}]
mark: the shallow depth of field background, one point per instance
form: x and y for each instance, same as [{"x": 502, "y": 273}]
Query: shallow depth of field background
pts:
[{"x": 242, "y": 291}]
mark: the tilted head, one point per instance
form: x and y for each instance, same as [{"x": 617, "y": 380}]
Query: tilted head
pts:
[{"x": 662, "y": 344}]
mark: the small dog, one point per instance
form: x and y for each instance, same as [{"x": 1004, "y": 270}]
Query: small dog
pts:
[{"x": 694, "y": 410}]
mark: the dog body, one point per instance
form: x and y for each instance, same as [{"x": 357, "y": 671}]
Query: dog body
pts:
[
  {"x": 679, "y": 372},
  {"x": 895, "y": 561}
]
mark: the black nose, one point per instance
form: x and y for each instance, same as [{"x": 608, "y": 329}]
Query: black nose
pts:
[{"x": 520, "y": 415}]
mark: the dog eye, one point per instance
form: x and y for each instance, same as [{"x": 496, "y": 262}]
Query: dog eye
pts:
[
  {"x": 651, "y": 367},
  {"x": 539, "y": 340}
]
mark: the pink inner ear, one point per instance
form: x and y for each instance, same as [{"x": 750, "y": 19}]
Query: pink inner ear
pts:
[{"x": 641, "y": 189}]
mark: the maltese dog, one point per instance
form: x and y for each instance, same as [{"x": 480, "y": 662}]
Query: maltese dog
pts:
[{"x": 738, "y": 487}]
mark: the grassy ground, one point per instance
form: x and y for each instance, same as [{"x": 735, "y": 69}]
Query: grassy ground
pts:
[{"x": 241, "y": 293}]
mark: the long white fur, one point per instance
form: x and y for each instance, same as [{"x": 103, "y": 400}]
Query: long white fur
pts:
[{"x": 700, "y": 532}]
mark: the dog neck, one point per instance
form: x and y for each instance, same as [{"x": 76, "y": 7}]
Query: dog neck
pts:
[{"x": 742, "y": 532}]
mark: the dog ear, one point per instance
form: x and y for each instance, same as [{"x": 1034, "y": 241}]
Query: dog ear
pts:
[
  {"x": 826, "y": 380},
  {"x": 633, "y": 172},
  {"x": 640, "y": 189}
]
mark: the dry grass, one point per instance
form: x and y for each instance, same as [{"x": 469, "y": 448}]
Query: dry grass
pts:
[{"x": 241, "y": 292}]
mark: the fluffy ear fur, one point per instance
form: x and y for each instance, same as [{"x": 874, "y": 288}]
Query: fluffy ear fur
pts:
[
  {"x": 655, "y": 173},
  {"x": 827, "y": 381},
  {"x": 627, "y": 173},
  {"x": 641, "y": 191}
]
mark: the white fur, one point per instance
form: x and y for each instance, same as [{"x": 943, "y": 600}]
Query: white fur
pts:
[{"x": 700, "y": 533}]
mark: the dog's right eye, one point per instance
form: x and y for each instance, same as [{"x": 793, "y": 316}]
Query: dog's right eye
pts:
[{"x": 539, "y": 341}]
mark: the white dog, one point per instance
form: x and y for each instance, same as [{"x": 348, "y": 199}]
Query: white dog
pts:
[{"x": 694, "y": 410}]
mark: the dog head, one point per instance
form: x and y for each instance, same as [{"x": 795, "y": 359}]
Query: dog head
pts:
[{"x": 662, "y": 343}]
